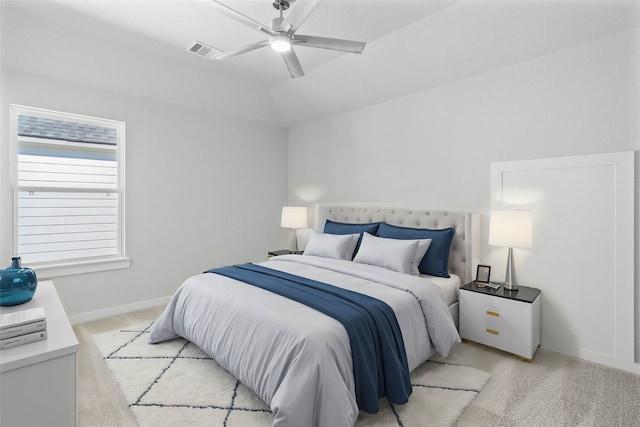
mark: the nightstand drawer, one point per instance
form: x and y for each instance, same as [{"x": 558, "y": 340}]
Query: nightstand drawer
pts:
[{"x": 503, "y": 323}]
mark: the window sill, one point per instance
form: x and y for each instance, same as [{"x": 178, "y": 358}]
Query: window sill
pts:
[{"x": 50, "y": 271}]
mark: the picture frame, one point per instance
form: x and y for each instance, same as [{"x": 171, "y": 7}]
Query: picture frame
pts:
[{"x": 483, "y": 274}]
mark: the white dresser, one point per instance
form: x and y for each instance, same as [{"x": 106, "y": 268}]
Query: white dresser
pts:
[
  {"x": 508, "y": 320},
  {"x": 38, "y": 380}
]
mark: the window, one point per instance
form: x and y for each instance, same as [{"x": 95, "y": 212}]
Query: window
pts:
[{"x": 68, "y": 191}]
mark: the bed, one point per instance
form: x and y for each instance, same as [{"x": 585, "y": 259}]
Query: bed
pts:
[{"x": 299, "y": 360}]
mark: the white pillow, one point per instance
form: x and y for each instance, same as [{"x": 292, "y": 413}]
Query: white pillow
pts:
[
  {"x": 338, "y": 246},
  {"x": 393, "y": 254},
  {"x": 423, "y": 246}
]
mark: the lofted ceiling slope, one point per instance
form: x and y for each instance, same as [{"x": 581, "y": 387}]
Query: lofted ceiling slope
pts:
[{"x": 140, "y": 47}]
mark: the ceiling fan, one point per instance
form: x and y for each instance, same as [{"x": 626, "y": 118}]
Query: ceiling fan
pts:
[{"x": 282, "y": 34}]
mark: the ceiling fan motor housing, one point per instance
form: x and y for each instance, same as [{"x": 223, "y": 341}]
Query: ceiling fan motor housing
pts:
[{"x": 275, "y": 23}]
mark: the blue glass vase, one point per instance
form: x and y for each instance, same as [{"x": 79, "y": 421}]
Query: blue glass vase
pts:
[{"x": 17, "y": 284}]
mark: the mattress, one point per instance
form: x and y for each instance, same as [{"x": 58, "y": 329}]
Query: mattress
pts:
[{"x": 449, "y": 287}]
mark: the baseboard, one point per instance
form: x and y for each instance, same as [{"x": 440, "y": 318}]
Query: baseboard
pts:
[
  {"x": 594, "y": 357},
  {"x": 115, "y": 311}
]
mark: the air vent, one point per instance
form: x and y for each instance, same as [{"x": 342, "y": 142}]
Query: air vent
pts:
[{"x": 202, "y": 49}]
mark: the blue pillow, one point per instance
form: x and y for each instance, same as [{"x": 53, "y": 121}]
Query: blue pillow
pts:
[
  {"x": 436, "y": 260},
  {"x": 334, "y": 227}
]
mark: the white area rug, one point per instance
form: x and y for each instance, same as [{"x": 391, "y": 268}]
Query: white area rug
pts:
[{"x": 174, "y": 383}]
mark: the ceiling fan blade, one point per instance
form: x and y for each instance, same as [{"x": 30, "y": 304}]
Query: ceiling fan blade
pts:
[
  {"x": 329, "y": 43},
  {"x": 293, "y": 64},
  {"x": 298, "y": 14},
  {"x": 240, "y": 50},
  {"x": 239, "y": 17}
]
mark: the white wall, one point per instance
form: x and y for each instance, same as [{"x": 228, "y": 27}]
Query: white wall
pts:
[
  {"x": 435, "y": 146},
  {"x": 579, "y": 205},
  {"x": 201, "y": 191}
]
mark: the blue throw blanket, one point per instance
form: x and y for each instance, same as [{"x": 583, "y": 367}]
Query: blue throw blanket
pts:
[{"x": 379, "y": 360}]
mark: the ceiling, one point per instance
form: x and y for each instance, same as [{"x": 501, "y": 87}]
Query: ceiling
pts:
[{"x": 140, "y": 47}]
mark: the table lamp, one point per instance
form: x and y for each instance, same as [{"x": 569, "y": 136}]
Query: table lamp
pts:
[
  {"x": 511, "y": 229},
  {"x": 294, "y": 217}
]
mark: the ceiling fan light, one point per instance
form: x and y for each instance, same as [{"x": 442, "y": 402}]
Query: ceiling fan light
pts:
[{"x": 280, "y": 43}]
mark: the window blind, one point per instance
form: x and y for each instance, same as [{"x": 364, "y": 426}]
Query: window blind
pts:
[{"x": 63, "y": 225}]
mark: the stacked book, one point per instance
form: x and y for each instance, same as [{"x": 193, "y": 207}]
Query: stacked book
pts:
[{"x": 22, "y": 327}]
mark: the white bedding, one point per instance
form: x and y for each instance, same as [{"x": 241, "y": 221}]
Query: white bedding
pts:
[
  {"x": 449, "y": 287},
  {"x": 296, "y": 359}
]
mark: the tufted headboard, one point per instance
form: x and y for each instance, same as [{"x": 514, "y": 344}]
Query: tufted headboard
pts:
[{"x": 464, "y": 254}]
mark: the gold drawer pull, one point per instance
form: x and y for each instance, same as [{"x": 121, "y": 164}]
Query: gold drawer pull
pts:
[
  {"x": 493, "y": 313},
  {"x": 491, "y": 331}
]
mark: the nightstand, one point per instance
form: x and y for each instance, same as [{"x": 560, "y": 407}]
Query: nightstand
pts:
[
  {"x": 271, "y": 254},
  {"x": 506, "y": 320}
]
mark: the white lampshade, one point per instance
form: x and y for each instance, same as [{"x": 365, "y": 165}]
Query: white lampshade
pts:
[
  {"x": 510, "y": 229},
  {"x": 294, "y": 217}
]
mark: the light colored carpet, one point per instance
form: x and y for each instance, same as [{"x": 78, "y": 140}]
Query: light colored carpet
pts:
[
  {"x": 553, "y": 390},
  {"x": 174, "y": 383}
]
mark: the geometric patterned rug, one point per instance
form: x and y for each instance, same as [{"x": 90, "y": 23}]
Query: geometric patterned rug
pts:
[{"x": 174, "y": 383}]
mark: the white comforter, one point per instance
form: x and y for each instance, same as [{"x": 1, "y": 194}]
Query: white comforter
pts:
[{"x": 296, "y": 359}]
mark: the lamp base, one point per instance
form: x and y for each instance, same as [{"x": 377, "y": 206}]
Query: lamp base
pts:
[
  {"x": 509, "y": 276},
  {"x": 294, "y": 242}
]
